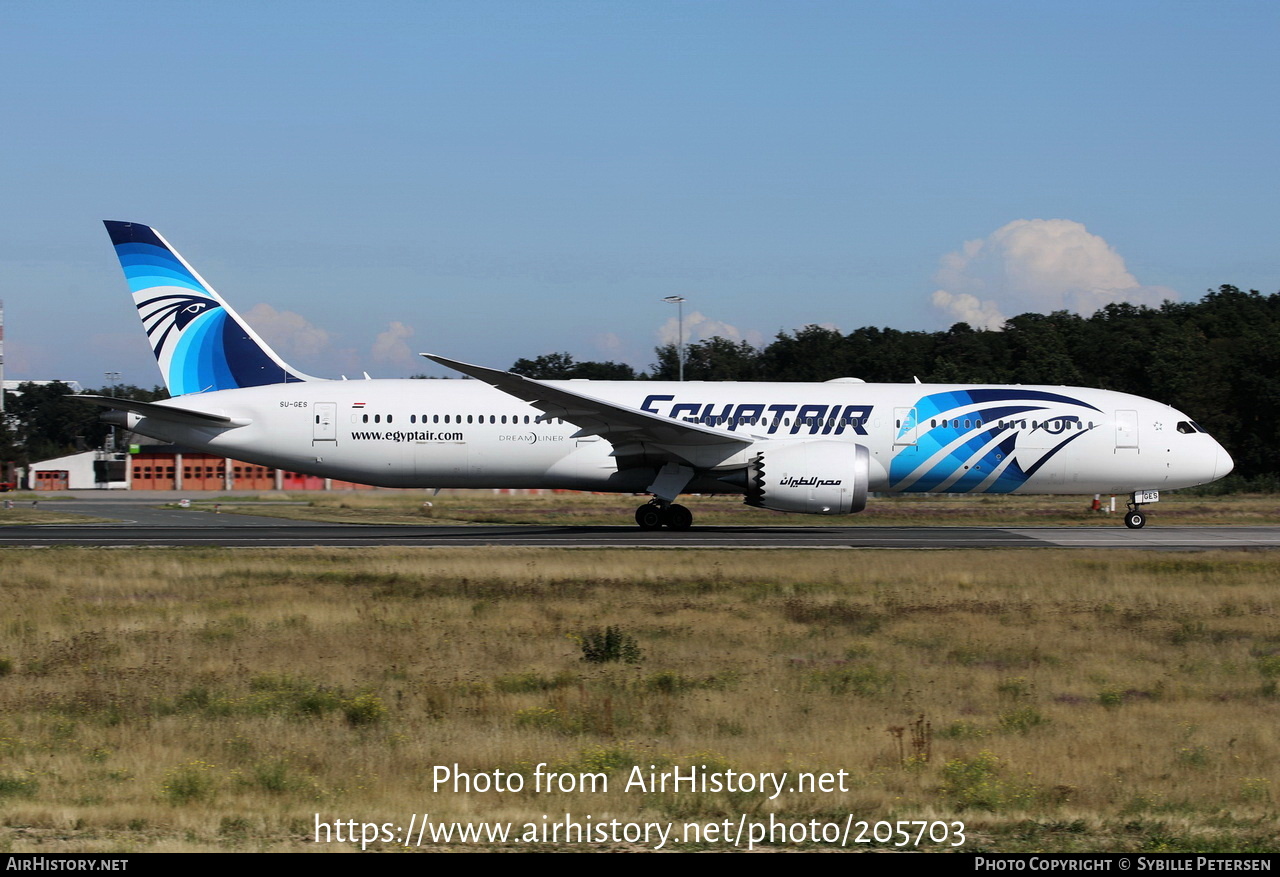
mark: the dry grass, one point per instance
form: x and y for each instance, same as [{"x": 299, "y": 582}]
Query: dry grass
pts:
[
  {"x": 476, "y": 506},
  {"x": 25, "y": 514},
  {"x": 204, "y": 699}
]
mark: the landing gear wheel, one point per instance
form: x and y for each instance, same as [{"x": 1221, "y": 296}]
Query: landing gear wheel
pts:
[
  {"x": 649, "y": 517},
  {"x": 1135, "y": 520},
  {"x": 678, "y": 517}
]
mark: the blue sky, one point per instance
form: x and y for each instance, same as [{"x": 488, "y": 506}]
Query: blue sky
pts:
[{"x": 492, "y": 180}]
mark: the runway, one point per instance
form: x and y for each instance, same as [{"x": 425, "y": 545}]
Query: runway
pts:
[{"x": 140, "y": 524}]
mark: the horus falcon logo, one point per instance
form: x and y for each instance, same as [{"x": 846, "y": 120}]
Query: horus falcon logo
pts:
[{"x": 166, "y": 313}]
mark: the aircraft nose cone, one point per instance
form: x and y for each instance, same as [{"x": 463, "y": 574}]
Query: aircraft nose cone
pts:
[{"x": 1222, "y": 463}]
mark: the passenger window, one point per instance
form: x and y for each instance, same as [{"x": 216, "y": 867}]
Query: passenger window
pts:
[{"x": 365, "y": 418}]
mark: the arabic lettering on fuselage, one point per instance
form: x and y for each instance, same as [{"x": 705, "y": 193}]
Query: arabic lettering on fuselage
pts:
[
  {"x": 788, "y": 419},
  {"x": 811, "y": 481}
]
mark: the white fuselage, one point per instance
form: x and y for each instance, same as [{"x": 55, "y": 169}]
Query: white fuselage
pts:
[{"x": 920, "y": 437}]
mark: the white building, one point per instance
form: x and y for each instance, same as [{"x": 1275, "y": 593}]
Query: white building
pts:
[
  {"x": 12, "y": 386},
  {"x": 87, "y": 470}
]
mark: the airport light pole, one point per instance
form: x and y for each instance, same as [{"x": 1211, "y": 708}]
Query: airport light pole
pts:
[
  {"x": 678, "y": 301},
  {"x": 112, "y": 377}
]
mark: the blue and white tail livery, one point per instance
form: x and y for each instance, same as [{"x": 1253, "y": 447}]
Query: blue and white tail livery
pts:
[{"x": 200, "y": 343}]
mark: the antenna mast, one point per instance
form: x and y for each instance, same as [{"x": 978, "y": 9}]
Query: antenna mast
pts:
[{"x": 1, "y": 357}]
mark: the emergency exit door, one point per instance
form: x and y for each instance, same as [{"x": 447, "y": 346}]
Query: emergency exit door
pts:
[
  {"x": 1126, "y": 429},
  {"x": 325, "y": 422}
]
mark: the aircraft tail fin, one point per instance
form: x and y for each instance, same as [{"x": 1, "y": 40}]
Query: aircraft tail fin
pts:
[{"x": 200, "y": 343}]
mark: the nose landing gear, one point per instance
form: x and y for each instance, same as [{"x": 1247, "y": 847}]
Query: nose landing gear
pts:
[
  {"x": 656, "y": 514},
  {"x": 1134, "y": 518}
]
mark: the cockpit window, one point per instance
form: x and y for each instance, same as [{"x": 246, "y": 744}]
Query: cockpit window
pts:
[{"x": 1187, "y": 427}]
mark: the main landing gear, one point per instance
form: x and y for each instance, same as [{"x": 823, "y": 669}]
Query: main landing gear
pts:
[{"x": 656, "y": 514}]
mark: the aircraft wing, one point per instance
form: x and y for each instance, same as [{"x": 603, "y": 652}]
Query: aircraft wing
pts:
[
  {"x": 609, "y": 420},
  {"x": 171, "y": 413}
]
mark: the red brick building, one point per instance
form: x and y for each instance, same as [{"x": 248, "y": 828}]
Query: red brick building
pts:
[{"x": 172, "y": 467}]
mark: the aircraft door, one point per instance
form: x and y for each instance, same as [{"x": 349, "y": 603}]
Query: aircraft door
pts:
[
  {"x": 324, "y": 424},
  {"x": 904, "y": 427},
  {"x": 1126, "y": 430}
]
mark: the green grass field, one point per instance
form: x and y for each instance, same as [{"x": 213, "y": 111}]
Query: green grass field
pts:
[{"x": 174, "y": 699}]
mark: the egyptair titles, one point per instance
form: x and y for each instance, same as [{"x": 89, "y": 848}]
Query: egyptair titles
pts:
[{"x": 779, "y": 418}]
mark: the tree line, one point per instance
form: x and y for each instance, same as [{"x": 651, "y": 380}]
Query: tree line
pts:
[{"x": 44, "y": 421}]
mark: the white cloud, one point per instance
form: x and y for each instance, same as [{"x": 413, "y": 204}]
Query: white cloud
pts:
[
  {"x": 289, "y": 334},
  {"x": 698, "y": 327},
  {"x": 1038, "y": 265},
  {"x": 966, "y": 308},
  {"x": 31, "y": 361},
  {"x": 389, "y": 348},
  {"x": 608, "y": 343},
  {"x": 295, "y": 338}
]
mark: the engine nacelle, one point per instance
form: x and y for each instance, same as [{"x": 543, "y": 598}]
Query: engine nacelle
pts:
[{"x": 814, "y": 478}]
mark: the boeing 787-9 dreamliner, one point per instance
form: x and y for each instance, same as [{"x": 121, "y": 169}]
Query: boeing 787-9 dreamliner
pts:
[{"x": 811, "y": 448}]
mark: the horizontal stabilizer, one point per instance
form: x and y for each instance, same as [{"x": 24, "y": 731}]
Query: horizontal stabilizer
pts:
[{"x": 185, "y": 416}]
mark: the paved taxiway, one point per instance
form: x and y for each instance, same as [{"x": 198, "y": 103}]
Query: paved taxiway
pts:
[{"x": 140, "y": 523}]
